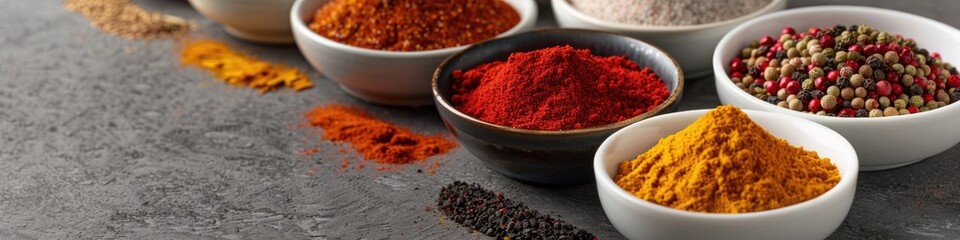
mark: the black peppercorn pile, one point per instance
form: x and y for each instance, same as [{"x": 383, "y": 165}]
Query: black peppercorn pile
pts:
[{"x": 492, "y": 214}]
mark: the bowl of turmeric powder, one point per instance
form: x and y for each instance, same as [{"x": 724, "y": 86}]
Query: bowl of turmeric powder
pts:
[
  {"x": 726, "y": 173},
  {"x": 385, "y": 51}
]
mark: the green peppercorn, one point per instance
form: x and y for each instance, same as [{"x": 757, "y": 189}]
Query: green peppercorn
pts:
[
  {"x": 876, "y": 113},
  {"x": 910, "y": 70},
  {"x": 871, "y": 104},
  {"x": 904, "y": 97},
  {"x": 932, "y": 105},
  {"x": 884, "y": 37},
  {"x": 860, "y": 92},
  {"x": 840, "y": 56},
  {"x": 818, "y": 59},
  {"x": 921, "y": 60},
  {"x": 770, "y": 74},
  {"x": 807, "y": 84},
  {"x": 828, "y": 101},
  {"x": 822, "y": 113},
  {"x": 856, "y": 80},
  {"x": 916, "y": 100},
  {"x": 898, "y": 68},
  {"x": 846, "y": 71},
  {"x": 815, "y": 72},
  {"x": 788, "y": 43},
  {"x": 802, "y": 44},
  {"x": 900, "y": 104},
  {"x": 830, "y": 53},
  {"x": 853, "y": 56},
  {"x": 884, "y": 102},
  {"x": 784, "y": 37},
  {"x": 890, "y": 111},
  {"x": 907, "y": 80},
  {"x": 833, "y": 90}
]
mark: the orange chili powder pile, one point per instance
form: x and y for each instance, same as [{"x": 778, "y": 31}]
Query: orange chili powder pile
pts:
[
  {"x": 412, "y": 25},
  {"x": 375, "y": 139}
]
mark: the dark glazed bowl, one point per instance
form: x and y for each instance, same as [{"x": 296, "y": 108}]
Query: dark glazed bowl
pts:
[{"x": 546, "y": 157}]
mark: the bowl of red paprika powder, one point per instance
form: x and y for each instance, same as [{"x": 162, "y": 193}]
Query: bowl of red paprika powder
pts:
[
  {"x": 385, "y": 51},
  {"x": 535, "y": 106}
]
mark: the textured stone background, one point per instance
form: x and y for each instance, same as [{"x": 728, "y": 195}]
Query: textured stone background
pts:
[{"x": 106, "y": 138}]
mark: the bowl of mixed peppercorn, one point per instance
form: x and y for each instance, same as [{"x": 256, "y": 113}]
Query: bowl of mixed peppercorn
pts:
[
  {"x": 385, "y": 51},
  {"x": 881, "y": 78}
]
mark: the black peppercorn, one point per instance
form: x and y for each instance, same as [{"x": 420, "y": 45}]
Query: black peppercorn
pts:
[
  {"x": 491, "y": 214},
  {"x": 916, "y": 89},
  {"x": 870, "y": 84},
  {"x": 863, "y": 113}
]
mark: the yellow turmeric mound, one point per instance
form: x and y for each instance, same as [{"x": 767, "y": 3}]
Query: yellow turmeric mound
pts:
[
  {"x": 726, "y": 163},
  {"x": 239, "y": 69}
]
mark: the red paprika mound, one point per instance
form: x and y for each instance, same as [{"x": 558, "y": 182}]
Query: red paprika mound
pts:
[
  {"x": 373, "y": 138},
  {"x": 557, "y": 88}
]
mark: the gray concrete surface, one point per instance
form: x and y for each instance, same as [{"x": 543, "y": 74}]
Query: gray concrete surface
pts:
[{"x": 103, "y": 138}]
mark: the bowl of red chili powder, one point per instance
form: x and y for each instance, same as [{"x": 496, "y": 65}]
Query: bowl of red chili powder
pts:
[
  {"x": 385, "y": 51},
  {"x": 535, "y": 106}
]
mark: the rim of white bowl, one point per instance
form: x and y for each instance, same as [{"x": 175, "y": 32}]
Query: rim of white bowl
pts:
[
  {"x": 299, "y": 25},
  {"x": 617, "y": 26},
  {"x": 720, "y": 69},
  {"x": 847, "y": 176}
]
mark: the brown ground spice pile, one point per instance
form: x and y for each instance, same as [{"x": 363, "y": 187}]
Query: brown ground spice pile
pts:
[{"x": 125, "y": 19}]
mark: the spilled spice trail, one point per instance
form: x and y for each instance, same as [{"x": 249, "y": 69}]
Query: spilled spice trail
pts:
[
  {"x": 128, "y": 20},
  {"x": 240, "y": 69},
  {"x": 375, "y": 139},
  {"x": 494, "y": 215}
]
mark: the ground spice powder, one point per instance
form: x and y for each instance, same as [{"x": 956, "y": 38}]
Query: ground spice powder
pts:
[
  {"x": 239, "y": 69},
  {"x": 125, "y": 19},
  {"x": 375, "y": 139},
  {"x": 726, "y": 163},
  {"x": 557, "y": 88},
  {"x": 494, "y": 215},
  {"x": 412, "y": 25}
]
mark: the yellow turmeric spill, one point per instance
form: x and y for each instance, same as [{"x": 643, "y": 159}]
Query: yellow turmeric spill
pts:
[
  {"x": 238, "y": 69},
  {"x": 726, "y": 163}
]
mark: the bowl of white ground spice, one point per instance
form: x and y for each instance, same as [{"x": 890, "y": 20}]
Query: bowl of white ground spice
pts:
[{"x": 687, "y": 29}]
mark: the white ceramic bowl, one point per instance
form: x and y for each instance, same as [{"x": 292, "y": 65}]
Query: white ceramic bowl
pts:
[
  {"x": 882, "y": 143},
  {"x": 636, "y": 218},
  {"x": 690, "y": 45},
  {"x": 263, "y": 21},
  {"x": 385, "y": 77}
]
